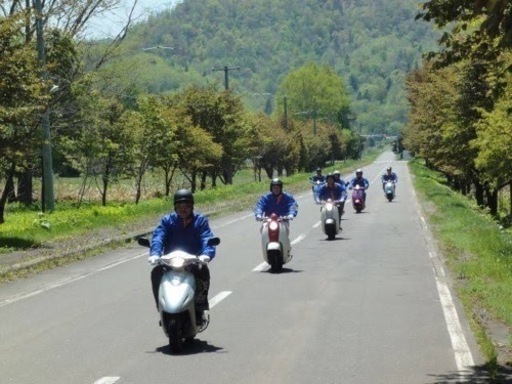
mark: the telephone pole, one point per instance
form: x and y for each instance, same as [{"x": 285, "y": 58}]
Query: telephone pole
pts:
[
  {"x": 226, "y": 70},
  {"x": 48, "y": 197}
]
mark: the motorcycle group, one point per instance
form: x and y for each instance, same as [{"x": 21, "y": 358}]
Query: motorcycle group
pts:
[{"x": 183, "y": 244}]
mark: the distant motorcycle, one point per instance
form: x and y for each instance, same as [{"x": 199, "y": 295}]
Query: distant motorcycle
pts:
[
  {"x": 330, "y": 219},
  {"x": 275, "y": 241},
  {"x": 176, "y": 295},
  {"x": 316, "y": 189},
  {"x": 389, "y": 190},
  {"x": 358, "y": 198}
]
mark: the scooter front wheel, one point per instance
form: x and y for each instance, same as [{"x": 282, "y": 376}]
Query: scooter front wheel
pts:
[
  {"x": 276, "y": 262},
  {"x": 175, "y": 332}
]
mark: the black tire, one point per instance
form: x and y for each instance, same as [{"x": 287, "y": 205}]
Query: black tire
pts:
[
  {"x": 390, "y": 198},
  {"x": 331, "y": 232},
  {"x": 276, "y": 262},
  {"x": 175, "y": 332}
]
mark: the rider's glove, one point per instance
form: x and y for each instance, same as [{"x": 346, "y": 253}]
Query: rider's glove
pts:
[
  {"x": 259, "y": 217},
  {"x": 153, "y": 259},
  {"x": 204, "y": 259},
  {"x": 290, "y": 217}
]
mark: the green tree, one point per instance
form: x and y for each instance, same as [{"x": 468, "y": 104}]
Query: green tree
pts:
[
  {"x": 22, "y": 101},
  {"x": 313, "y": 91}
]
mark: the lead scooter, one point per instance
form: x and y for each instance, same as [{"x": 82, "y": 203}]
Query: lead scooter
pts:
[
  {"x": 275, "y": 241},
  {"x": 330, "y": 218},
  {"x": 176, "y": 296}
]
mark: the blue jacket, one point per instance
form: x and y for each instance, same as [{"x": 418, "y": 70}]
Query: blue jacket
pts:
[
  {"x": 282, "y": 205},
  {"x": 392, "y": 177},
  {"x": 316, "y": 178},
  {"x": 337, "y": 193},
  {"x": 172, "y": 234},
  {"x": 362, "y": 182}
]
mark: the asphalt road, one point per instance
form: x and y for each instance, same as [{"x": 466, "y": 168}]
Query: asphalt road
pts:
[{"x": 372, "y": 306}]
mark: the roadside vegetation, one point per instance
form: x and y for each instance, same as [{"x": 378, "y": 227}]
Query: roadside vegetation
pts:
[
  {"x": 478, "y": 252},
  {"x": 28, "y": 228}
]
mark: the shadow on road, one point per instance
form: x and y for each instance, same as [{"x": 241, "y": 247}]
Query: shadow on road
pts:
[
  {"x": 284, "y": 270},
  {"x": 475, "y": 375},
  {"x": 190, "y": 348}
]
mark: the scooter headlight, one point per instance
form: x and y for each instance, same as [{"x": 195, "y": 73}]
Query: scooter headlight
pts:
[
  {"x": 177, "y": 262},
  {"x": 328, "y": 206},
  {"x": 273, "y": 226}
]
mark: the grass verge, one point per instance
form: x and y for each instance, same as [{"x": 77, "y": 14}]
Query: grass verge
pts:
[{"x": 479, "y": 256}]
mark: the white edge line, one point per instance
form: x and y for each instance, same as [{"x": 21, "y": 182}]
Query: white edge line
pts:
[
  {"x": 107, "y": 380},
  {"x": 219, "y": 297},
  {"x": 463, "y": 356}
]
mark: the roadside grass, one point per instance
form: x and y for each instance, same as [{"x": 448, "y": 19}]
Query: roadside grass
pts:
[
  {"x": 27, "y": 228},
  {"x": 479, "y": 255}
]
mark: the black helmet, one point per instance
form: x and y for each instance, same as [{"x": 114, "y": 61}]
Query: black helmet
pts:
[
  {"x": 276, "y": 181},
  {"x": 183, "y": 195},
  {"x": 319, "y": 169},
  {"x": 359, "y": 171},
  {"x": 389, "y": 169}
]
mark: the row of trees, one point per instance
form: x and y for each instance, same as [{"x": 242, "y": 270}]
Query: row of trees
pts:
[
  {"x": 461, "y": 100},
  {"x": 101, "y": 135}
]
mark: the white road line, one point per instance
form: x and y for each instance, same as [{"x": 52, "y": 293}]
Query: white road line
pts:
[
  {"x": 260, "y": 267},
  {"x": 66, "y": 282},
  {"x": 233, "y": 221},
  {"x": 316, "y": 225},
  {"x": 219, "y": 297},
  {"x": 107, "y": 380},
  {"x": 298, "y": 239}
]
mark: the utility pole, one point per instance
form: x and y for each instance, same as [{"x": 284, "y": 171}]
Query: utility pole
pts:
[
  {"x": 314, "y": 117},
  {"x": 226, "y": 70},
  {"x": 48, "y": 197},
  {"x": 285, "y": 107}
]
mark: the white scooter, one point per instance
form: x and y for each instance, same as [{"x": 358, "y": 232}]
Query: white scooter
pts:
[
  {"x": 316, "y": 188},
  {"x": 330, "y": 218},
  {"x": 176, "y": 295},
  {"x": 389, "y": 190},
  {"x": 275, "y": 241}
]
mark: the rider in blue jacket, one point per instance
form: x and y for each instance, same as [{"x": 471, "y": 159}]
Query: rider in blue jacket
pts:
[
  {"x": 337, "y": 192},
  {"x": 361, "y": 181},
  {"x": 389, "y": 176},
  {"x": 318, "y": 176},
  {"x": 187, "y": 231},
  {"x": 276, "y": 201}
]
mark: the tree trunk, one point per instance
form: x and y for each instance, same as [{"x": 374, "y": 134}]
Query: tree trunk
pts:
[
  {"x": 5, "y": 194},
  {"x": 479, "y": 194},
  {"x": 492, "y": 200},
  {"x": 203, "y": 181},
  {"x": 25, "y": 187}
]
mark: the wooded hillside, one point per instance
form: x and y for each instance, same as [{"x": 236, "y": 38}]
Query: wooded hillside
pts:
[{"x": 371, "y": 44}]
